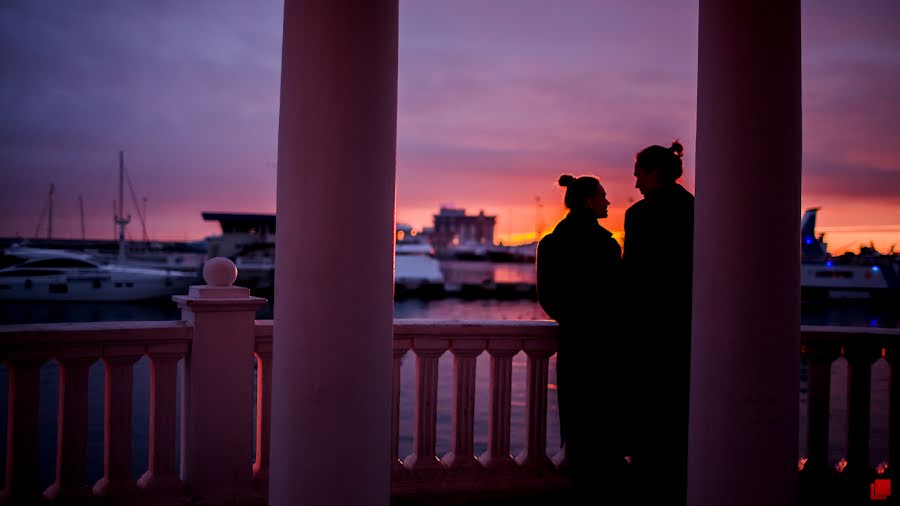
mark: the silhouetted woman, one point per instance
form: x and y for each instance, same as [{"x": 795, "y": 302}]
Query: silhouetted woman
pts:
[
  {"x": 658, "y": 256},
  {"x": 578, "y": 285}
]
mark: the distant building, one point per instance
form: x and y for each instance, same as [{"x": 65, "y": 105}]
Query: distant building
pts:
[
  {"x": 452, "y": 227},
  {"x": 252, "y": 234}
]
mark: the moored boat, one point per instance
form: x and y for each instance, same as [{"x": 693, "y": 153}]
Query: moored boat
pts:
[
  {"x": 32, "y": 274},
  {"x": 867, "y": 275}
]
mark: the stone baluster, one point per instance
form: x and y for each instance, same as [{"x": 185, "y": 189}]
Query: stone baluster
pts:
[
  {"x": 462, "y": 454},
  {"x": 400, "y": 348},
  {"x": 72, "y": 430},
  {"x": 892, "y": 355},
  {"x": 263, "y": 416},
  {"x": 161, "y": 476},
  {"x": 423, "y": 459},
  {"x": 860, "y": 356},
  {"x": 820, "y": 359},
  {"x": 535, "y": 454},
  {"x": 559, "y": 459},
  {"x": 22, "y": 427},
  {"x": 497, "y": 455},
  {"x": 217, "y": 420},
  {"x": 117, "y": 481}
]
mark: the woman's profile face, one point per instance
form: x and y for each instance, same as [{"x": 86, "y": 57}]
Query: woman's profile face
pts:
[{"x": 598, "y": 203}]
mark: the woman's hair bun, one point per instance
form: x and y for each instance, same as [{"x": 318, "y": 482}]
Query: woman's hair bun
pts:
[
  {"x": 677, "y": 149},
  {"x": 566, "y": 180}
]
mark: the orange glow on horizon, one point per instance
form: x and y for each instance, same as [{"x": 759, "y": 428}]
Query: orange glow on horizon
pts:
[{"x": 847, "y": 225}]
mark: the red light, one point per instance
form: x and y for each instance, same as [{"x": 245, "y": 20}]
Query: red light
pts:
[{"x": 880, "y": 489}]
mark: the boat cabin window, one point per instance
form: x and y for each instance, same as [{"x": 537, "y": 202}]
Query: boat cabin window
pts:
[
  {"x": 834, "y": 274},
  {"x": 28, "y": 273},
  {"x": 61, "y": 263}
]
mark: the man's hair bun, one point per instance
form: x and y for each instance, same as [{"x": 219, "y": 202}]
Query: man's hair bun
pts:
[{"x": 566, "y": 180}]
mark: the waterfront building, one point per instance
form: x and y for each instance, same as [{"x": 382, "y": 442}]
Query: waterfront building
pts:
[{"x": 453, "y": 227}]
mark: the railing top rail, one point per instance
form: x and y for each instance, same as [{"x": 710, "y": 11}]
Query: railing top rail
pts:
[
  {"x": 94, "y": 332},
  {"x": 823, "y": 330},
  {"x": 410, "y": 327},
  {"x": 405, "y": 328},
  {"x": 263, "y": 328}
]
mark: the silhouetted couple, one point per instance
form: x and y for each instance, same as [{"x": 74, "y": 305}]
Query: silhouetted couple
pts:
[{"x": 624, "y": 333}]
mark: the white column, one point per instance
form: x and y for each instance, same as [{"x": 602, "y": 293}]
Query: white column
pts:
[
  {"x": 217, "y": 414},
  {"x": 746, "y": 308},
  {"x": 331, "y": 378}
]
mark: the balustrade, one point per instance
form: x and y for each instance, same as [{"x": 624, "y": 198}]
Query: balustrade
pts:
[
  {"x": 25, "y": 348},
  {"x": 821, "y": 480},
  {"x": 75, "y": 347},
  {"x": 460, "y": 469}
]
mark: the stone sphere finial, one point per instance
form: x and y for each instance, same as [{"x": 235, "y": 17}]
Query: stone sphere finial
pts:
[{"x": 219, "y": 271}]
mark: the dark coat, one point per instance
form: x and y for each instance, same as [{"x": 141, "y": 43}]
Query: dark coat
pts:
[
  {"x": 658, "y": 263},
  {"x": 578, "y": 271},
  {"x": 658, "y": 259},
  {"x": 578, "y": 284}
]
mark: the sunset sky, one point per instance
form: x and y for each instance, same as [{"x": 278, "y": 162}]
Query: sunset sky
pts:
[{"x": 496, "y": 99}]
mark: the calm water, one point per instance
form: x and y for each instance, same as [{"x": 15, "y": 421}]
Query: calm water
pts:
[{"x": 855, "y": 314}]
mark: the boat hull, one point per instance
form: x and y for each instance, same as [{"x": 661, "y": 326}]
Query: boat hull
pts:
[{"x": 99, "y": 288}]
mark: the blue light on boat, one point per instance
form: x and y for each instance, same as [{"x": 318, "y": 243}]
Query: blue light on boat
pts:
[
  {"x": 809, "y": 241},
  {"x": 875, "y": 268},
  {"x": 828, "y": 263},
  {"x": 873, "y": 323}
]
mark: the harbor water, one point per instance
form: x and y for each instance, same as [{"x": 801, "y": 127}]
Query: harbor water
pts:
[{"x": 855, "y": 314}]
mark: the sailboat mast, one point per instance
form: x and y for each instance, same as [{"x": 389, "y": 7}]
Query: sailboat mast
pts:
[
  {"x": 81, "y": 210},
  {"x": 121, "y": 174},
  {"x": 50, "y": 214},
  {"x": 143, "y": 217},
  {"x": 121, "y": 220}
]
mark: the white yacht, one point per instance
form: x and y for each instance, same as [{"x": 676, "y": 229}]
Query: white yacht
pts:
[
  {"x": 55, "y": 275},
  {"x": 866, "y": 275},
  {"x": 415, "y": 267}
]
